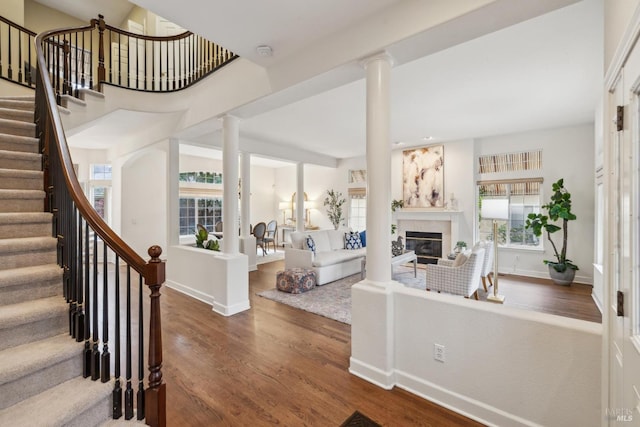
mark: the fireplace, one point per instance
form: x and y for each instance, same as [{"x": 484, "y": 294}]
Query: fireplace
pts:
[
  {"x": 426, "y": 245},
  {"x": 430, "y": 221}
]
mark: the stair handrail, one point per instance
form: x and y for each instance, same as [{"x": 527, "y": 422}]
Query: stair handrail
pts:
[{"x": 50, "y": 131}]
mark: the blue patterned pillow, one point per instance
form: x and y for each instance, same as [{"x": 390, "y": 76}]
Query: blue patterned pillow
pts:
[
  {"x": 352, "y": 241},
  {"x": 311, "y": 245}
]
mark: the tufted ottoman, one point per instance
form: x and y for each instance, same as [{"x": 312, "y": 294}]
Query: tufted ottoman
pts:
[{"x": 295, "y": 280}]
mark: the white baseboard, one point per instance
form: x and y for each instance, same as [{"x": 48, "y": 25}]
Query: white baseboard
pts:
[
  {"x": 470, "y": 408},
  {"x": 385, "y": 380},
  {"x": 200, "y": 296},
  {"x": 232, "y": 309}
]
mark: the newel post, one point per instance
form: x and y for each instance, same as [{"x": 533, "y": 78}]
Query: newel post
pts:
[
  {"x": 101, "y": 70},
  {"x": 155, "y": 395}
]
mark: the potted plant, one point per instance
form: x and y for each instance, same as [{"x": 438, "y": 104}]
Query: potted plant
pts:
[
  {"x": 202, "y": 240},
  {"x": 334, "y": 202},
  {"x": 562, "y": 270},
  {"x": 461, "y": 246},
  {"x": 395, "y": 204}
]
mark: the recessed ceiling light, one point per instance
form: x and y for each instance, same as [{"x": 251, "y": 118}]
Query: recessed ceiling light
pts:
[
  {"x": 398, "y": 143},
  {"x": 264, "y": 50},
  {"x": 427, "y": 138}
]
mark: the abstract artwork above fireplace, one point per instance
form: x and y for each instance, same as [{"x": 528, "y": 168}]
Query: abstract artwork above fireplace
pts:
[{"x": 423, "y": 177}]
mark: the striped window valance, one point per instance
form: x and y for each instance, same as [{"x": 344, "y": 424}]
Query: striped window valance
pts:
[
  {"x": 514, "y": 187},
  {"x": 357, "y": 193},
  {"x": 511, "y": 162}
]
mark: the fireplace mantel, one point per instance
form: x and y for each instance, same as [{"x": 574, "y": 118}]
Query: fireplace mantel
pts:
[
  {"x": 426, "y": 214},
  {"x": 430, "y": 220}
]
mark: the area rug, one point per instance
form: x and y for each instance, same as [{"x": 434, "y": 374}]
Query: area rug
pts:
[
  {"x": 358, "y": 420},
  {"x": 333, "y": 300}
]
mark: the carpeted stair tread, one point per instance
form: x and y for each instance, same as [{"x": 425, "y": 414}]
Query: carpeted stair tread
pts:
[
  {"x": 10, "y": 142},
  {"x": 27, "y": 244},
  {"x": 25, "y": 224},
  {"x": 27, "y": 251},
  {"x": 17, "y": 127},
  {"x": 21, "y": 360},
  {"x": 21, "y": 194},
  {"x": 14, "y": 114},
  {"x": 29, "y": 275},
  {"x": 30, "y": 283},
  {"x": 20, "y": 160},
  {"x": 21, "y": 179},
  {"x": 31, "y": 311},
  {"x": 18, "y": 104},
  {"x": 67, "y": 404},
  {"x": 24, "y": 217}
]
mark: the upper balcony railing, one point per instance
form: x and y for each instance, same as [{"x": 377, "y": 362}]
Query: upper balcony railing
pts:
[
  {"x": 102, "y": 54},
  {"x": 17, "y": 53}
]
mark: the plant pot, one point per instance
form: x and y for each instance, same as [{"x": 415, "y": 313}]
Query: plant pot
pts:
[{"x": 564, "y": 278}]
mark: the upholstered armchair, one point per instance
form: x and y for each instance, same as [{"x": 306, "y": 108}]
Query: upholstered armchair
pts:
[{"x": 459, "y": 277}]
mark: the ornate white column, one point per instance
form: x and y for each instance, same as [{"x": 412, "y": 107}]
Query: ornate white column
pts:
[
  {"x": 378, "y": 69},
  {"x": 300, "y": 197},
  {"x": 245, "y": 194},
  {"x": 230, "y": 150},
  {"x": 372, "y": 305}
]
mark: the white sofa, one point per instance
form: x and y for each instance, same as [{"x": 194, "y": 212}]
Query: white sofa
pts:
[{"x": 331, "y": 260}]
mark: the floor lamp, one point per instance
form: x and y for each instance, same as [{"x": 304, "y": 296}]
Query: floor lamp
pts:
[{"x": 495, "y": 209}]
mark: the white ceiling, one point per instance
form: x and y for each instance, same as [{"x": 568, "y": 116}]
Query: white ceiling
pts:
[{"x": 544, "y": 72}]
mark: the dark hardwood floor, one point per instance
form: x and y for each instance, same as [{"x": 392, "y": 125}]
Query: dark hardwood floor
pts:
[{"x": 276, "y": 365}]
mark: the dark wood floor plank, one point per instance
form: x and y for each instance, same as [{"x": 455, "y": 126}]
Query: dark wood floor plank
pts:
[{"x": 276, "y": 365}]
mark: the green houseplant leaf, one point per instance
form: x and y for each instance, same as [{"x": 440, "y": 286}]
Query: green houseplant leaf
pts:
[{"x": 558, "y": 209}]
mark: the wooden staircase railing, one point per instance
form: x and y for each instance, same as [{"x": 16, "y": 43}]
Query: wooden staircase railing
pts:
[
  {"x": 102, "y": 54},
  {"x": 16, "y": 53},
  {"x": 85, "y": 241}
]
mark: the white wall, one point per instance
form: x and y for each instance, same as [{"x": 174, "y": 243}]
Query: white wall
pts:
[
  {"x": 503, "y": 366},
  {"x": 144, "y": 200},
  {"x": 566, "y": 153},
  {"x": 317, "y": 180}
]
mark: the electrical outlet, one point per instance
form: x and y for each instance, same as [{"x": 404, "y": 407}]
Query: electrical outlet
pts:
[{"x": 438, "y": 352}]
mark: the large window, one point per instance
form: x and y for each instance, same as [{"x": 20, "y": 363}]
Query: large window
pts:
[
  {"x": 524, "y": 198},
  {"x": 357, "y": 209},
  {"x": 199, "y": 210},
  {"x": 100, "y": 189}
]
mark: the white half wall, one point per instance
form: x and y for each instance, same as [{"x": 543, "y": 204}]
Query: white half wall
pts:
[
  {"x": 502, "y": 366},
  {"x": 216, "y": 278}
]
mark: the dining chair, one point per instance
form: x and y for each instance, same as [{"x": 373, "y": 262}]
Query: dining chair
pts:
[
  {"x": 270, "y": 236},
  {"x": 259, "y": 231},
  {"x": 218, "y": 226}
]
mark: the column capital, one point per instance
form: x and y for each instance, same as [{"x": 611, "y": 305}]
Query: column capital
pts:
[
  {"x": 228, "y": 116},
  {"x": 379, "y": 56}
]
